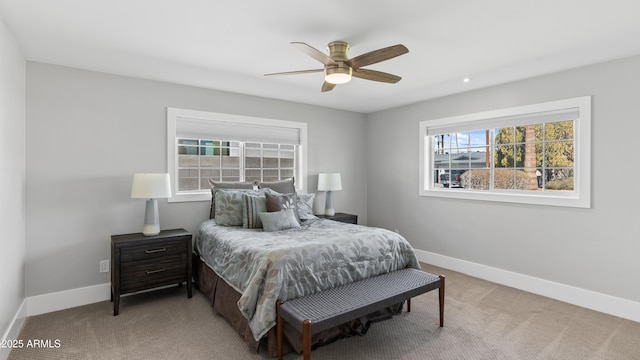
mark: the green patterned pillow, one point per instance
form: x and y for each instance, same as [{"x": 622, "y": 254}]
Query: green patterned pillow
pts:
[{"x": 229, "y": 205}]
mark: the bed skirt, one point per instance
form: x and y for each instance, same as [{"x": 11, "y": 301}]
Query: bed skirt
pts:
[{"x": 224, "y": 299}]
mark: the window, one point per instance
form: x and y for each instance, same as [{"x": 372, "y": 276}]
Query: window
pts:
[
  {"x": 536, "y": 154},
  {"x": 203, "y": 145}
]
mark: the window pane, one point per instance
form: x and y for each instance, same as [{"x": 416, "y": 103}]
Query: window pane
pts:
[
  {"x": 559, "y": 179},
  {"x": 559, "y": 131},
  {"x": 476, "y": 179},
  {"x": 286, "y": 173},
  {"x": 253, "y": 152},
  {"x": 207, "y": 161},
  {"x": 526, "y": 179},
  {"x": 230, "y": 162},
  {"x": 520, "y": 155},
  {"x": 519, "y": 134},
  {"x": 504, "y": 156},
  {"x": 559, "y": 153},
  {"x": 188, "y": 179},
  {"x": 438, "y": 144},
  {"x": 479, "y": 138},
  {"x": 270, "y": 175},
  {"x": 188, "y": 161},
  {"x": 252, "y": 162},
  {"x": 287, "y": 163},
  {"x": 230, "y": 175},
  {"x": 251, "y": 175},
  {"x": 503, "y": 179},
  {"x": 504, "y": 136},
  {"x": 270, "y": 162}
]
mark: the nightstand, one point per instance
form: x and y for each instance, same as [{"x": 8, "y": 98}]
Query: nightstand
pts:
[
  {"x": 342, "y": 217},
  {"x": 141, "y": 262}
]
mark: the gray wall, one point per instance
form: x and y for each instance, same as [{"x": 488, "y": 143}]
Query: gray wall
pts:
[
  {"x": 595, "y": 249},
  {"x": 88, "y": 133},
  {"x": 12, "y": 180}
]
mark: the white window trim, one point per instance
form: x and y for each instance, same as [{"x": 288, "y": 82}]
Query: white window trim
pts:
[
  {"x": 205, "y": 195},
  {"x": 580, "y": 197}
]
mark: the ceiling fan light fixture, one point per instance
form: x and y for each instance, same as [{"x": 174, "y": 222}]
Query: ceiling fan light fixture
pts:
[{"x": 337, "y": 75}]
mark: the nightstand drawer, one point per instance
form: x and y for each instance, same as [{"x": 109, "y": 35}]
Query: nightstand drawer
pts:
[
  {"x": 148, "y": 274},
  {"x": 152, "y": 251}
]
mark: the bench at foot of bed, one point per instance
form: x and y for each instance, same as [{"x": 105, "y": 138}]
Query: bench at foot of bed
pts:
[{"x": 316, "y": 312}]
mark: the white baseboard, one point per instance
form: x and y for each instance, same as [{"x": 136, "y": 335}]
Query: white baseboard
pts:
[
  {"x": 14, "y": 328},
  {"x": 573, "y": 295},
  {"x": 61, "y": 300}
]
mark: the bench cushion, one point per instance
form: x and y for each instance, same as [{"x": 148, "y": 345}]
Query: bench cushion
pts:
[{"x": 338, "y": 305}]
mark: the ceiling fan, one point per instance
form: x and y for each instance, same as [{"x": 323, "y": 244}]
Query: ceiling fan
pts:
[{"x": 339, "y": 69}]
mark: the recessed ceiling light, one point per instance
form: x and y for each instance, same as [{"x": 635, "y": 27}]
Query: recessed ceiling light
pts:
[{"x": 466, "y": 80}]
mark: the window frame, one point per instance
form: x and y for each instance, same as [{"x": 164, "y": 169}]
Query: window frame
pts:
[
  {"x": 580, "y": 197},
  {"x": 205, "y": 195}
]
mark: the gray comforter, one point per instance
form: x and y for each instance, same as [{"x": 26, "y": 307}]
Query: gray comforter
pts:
[{"x": 321, "y": 254}]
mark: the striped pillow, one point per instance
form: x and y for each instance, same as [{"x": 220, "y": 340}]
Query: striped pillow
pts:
[{"x": 251, "y": 207}]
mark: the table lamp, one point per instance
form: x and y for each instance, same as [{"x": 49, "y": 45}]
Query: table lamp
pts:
[
  {"x": 151, "y": 187},
  {"x": 329, "y": 183}
]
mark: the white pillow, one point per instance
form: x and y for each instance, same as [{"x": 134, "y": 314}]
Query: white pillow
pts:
[{"x": 304, "y": 203}]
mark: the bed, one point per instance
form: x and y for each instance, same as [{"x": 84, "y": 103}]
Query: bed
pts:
[{"x": 244, "y": 270}]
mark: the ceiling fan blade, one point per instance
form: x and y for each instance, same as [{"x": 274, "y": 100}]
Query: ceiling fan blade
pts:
[
  {"x": 375, "y": 75},
  {"x": 327, "y": 86},
  {"x": 314, "y": 53},
  {"x": 377, "y": 56},
  {"x": 295, "y": 72}
]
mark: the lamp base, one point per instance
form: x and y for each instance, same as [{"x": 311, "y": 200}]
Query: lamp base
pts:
[
  {"x": 151, "y": 225},
  {"x": 328, "y": 205},
  {"x": 151, "y": 230}
]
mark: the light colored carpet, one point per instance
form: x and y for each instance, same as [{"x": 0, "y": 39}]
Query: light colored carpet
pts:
[{"x": 482, "y": 321}]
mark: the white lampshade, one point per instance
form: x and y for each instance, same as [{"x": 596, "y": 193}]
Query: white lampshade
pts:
[
  {"x": 329, "y": 182},
  {"x": 150, "y": 186}
]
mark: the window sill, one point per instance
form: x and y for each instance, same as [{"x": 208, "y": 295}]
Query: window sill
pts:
[{"x": 548, "y": 198}]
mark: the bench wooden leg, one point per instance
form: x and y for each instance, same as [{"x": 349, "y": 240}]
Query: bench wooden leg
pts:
[
  {"x": 408, "y": 305},
  {"x": 306, "y": 340},
  {"x": 279, "y": 329},
  {"x": 441, "y": 296}
]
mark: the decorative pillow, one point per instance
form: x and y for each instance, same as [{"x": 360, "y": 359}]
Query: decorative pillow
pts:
[
  {"x": 229, "y": 205},
  {"x": 304, "y": 205},
  {"x": 225, "y": 185},
  {"x": 251, "y": 207},
  {"x": 280, "y": 220},
  {"x": 283, "y": 186},
  {"x": 278, "y": 202}
]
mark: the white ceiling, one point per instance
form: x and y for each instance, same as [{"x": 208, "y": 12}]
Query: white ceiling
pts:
[{"x": 229, "y": 45}]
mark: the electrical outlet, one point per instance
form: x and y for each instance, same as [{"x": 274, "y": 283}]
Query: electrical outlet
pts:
[{"x": 104, "y": 266}]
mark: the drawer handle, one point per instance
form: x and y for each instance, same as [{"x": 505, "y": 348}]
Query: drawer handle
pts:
[
  {"x": 149, "y": 272},
  {"x": 155, "y": 251}
]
